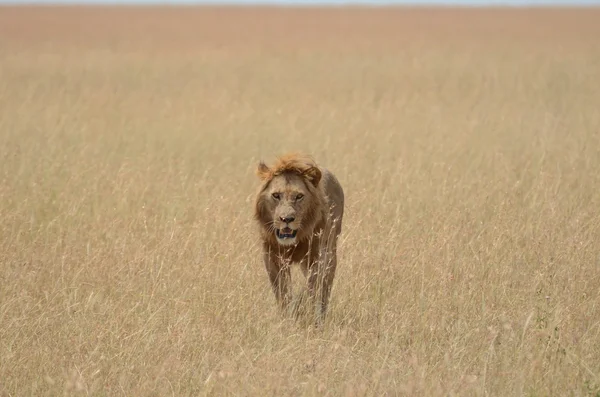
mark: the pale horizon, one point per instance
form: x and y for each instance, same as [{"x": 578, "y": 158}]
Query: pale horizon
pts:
[{"x": 467, "y": 3}]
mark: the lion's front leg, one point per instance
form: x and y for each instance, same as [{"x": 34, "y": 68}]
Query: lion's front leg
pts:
[
  {"x": 280, "y": 278},
  {"x": 321, "y": 273}
]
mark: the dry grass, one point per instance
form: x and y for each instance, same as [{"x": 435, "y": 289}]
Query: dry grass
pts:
[{"x": 468, "y": 143}]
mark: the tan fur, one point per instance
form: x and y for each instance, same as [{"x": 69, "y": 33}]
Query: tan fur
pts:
[{"x": 317, "y": 219}]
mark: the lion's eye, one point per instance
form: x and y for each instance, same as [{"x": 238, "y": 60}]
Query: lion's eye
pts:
[
  {"x": 276, "y": 196},
  {"x": 299, "y": 196}
]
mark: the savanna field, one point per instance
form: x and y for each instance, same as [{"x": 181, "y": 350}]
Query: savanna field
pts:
[{"x": 468, "y": 145}]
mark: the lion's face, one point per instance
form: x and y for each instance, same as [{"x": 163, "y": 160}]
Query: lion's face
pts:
[{"x": 287, "y": 199}]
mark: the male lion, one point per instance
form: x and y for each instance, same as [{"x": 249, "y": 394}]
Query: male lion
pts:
[{"x": 299, "y": 209}]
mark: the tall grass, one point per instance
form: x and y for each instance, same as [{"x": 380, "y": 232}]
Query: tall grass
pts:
[{"x": 468, "y": 145}]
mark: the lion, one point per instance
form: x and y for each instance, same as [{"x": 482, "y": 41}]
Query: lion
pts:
[{"x": 299, "y": 209}]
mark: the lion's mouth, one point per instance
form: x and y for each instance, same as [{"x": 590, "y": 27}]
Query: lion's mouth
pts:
[{"x": 286, "y": 232}]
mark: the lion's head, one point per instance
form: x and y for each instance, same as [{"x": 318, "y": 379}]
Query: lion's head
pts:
[{"x": 290, "y": 201}]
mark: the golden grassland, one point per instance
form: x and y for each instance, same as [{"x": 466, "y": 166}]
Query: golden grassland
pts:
[{"x": 468, "y": 144}]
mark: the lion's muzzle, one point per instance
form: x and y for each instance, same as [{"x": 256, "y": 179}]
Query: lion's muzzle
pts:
[{"x": 286, "y": 233}]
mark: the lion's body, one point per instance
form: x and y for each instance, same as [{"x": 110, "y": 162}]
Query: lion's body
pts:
[{"x": 299, "y": 209}]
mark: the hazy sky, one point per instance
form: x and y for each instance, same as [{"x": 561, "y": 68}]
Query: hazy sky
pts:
[{"x": 373, "y": 2}]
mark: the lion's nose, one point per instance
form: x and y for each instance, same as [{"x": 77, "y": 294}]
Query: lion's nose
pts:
[{"x": 287, "y": 219}]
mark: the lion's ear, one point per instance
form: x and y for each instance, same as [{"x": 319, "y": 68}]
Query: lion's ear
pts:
[
  {"x": 263, "y": 171},
  {"x": 313, "y": 174}
]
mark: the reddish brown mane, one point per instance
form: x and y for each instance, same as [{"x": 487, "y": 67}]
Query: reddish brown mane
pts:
[{"x": 297, "y": 163}]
